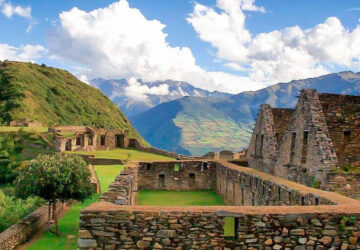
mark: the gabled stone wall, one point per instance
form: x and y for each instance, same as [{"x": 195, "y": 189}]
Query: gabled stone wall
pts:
[{"x": 306, "y": 160}]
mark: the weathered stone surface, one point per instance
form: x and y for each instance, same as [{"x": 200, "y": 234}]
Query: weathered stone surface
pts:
[
  {"x": 166, "y": 234},
  {"x": 86, "y": 243}
]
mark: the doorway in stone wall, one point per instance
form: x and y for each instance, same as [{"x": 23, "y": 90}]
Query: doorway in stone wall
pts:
[
  {"x": 161, "y": 183},
  {"x": 119, "y": 141},
  {"x": 68, "y": 145}
]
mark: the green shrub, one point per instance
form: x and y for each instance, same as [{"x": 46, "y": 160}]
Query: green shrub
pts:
[{"x": 12, "y": 210}]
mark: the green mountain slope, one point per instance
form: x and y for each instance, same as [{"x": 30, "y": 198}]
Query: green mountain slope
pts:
[
  {"x": 55, "y": 97},
  {"x": 199, "y": 125},
  {"x": 191, "y": 125}
]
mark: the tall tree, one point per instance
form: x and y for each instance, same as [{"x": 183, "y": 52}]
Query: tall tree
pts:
[{"x": 55, "y": 178}]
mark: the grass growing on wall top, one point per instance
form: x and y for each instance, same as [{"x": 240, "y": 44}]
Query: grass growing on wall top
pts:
[{"x": 180, "y": 198}]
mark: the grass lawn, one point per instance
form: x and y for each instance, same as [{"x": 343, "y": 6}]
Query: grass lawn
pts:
[
  {"x": 107, "y": 174},
  {"x": 27, "y": 129},
  {"x": 69, "y": 224},
  {"x": 124, "y": 154},
  {"x": 180, "y": 198}
]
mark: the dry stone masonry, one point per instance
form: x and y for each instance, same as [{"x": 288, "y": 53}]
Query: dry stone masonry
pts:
[
  {"x": 312, "y": 143},
  {"x": 267, "y": 212}
]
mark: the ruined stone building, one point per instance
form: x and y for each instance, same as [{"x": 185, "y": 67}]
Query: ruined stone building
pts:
[
  {"x": 311, "y": 143},
  {"x": 81, "y": 138}
]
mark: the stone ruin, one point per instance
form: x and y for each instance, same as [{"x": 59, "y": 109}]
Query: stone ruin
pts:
[
  {"x": 86, "y": 138},
  {"x": 263, "y": 212},
  {"x": 312, "y": 143}
]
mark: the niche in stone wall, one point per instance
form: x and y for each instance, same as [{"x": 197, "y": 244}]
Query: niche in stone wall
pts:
[
  {"x": 102, "y": 140},
  {"x": 161, "y": 183},
  {"x": 292, "y": 147},
  {"x": 191, "y": 180}
]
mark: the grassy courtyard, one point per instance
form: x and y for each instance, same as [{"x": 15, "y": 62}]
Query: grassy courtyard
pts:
[
  {"x": 124, "y": 154},
  {"x": 180, "y": 198}
]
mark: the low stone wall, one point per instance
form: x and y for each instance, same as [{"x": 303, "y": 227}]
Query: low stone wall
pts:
[
  {"x": 105, "y": 225},
  {"x": 90, "y": 159},
  {"x": 123, "y": 190},
  {"x": 245, "y": 189},
  {"x": 344, "y": 183},
  {"x": 176, "y": 175},
  {"x": 18, "y": 234}
]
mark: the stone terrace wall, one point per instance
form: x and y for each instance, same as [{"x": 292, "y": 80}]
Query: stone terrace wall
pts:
[
  {"x": 18, "y": 234},
  {"x": 123, "y": 190},
  {"x": 203, "y": 172},
  {"x": 344, "y": 183},
  {"x": 244, "y": 189},
  {"x": 106, "y": 226}
]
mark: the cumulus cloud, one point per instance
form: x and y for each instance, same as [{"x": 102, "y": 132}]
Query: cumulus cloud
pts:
[
  {"x": 280, "y": 55},
  {"x": 23, "y": 53},
  {"x": 120, "y": 42},
  {"x": 140, "y": 92},
  {"x": 8, "y": 9}
]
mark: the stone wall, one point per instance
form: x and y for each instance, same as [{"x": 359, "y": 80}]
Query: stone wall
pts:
[
  {"x": 18, "y": 234},
  {"x": 176, "y": 175},
  {"x": 107, "y": 226},
  {"x": 244, "y": 189},
  {"x": 306, "y": 153},
  {"x": 342, "y": 115},
  {"x": 344, "y": 183},
  {"x": 123, "y": 190},
  {"x": 262, "y": 151}
]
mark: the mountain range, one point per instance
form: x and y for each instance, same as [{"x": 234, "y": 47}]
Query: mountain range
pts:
[
  {"x": 196, "y": 125},
  {"x": 136, "y": 96}
]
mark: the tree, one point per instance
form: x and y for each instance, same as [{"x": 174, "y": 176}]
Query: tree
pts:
[
  {"x": 8, "y": 164},
  {"x": 56, "y": 177}
]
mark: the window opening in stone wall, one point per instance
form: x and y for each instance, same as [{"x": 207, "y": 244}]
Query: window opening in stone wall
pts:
[
  {"x": 242, "y": 196},
  {"x": 176, "y": 167},
  {"x": 148, "y": 166},
  {"x": 229, "y": 227},
  {"x": 204, "y": 166},
  {"x": 347, "y": 135},
  {"x": 256, "y": 142},
  {"x": 317, "y": 201},
  {"x": 90, "y": 141},
  {"x": 277, "y": 138},
  {"x": 289, "y": 198},
  {"x": 78, "y": 141},
  {"x": 305, "y": 146},
  {"x": 102, "y": 140},
  {"x": 302, "y": 201},
  {"x": 68, "y": 145},
  {"x": 161, "y": 180},
  {"x": 191, "y": 180},
  {"x": 261, "y": 145},
  {"x": 279, "y": 193},
  {"x": 292, "y": 147},
  {"x": 252, "y": 199}
]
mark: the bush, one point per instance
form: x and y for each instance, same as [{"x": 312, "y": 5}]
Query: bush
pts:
[{"x": 12, "y": 210}]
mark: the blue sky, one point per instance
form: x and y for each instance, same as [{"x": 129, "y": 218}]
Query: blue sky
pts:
[{"x": 232, "y": 57}]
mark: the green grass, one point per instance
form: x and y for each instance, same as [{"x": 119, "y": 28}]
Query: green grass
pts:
[
  {"x": 69, "y": 224},
  {"x": 124, "y": 154},
  {"x": 107, "y": 174},
  {"x": 6, "y": 129},
  {"x": 229, "y": 227},
  {"x": 180, "y": 198}
]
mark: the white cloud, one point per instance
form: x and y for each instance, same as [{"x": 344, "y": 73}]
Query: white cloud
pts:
[
  {"x": 8, "y": 9},
  {"x": 23, "y": 53},
  {"x": 140, "y": 92},
  {"x": 119, "y": 42},
  {"x": 280, "y": 55}
]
